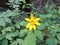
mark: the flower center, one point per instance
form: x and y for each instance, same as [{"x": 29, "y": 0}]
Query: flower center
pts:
[{"x": 32, "y": 22}]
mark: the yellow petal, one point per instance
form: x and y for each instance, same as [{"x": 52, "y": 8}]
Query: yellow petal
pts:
[
  {"x": 37, "y": 23},
  {"x": 34, "y": 27},
  {"x": 28, "y": 25},
  {"x": 31, "y": 16},
  {"x": 27, "y": 19},
  {"x": 37, "y": 19}
]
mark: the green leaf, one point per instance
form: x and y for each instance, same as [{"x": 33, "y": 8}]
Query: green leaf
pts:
[
  {"x": 17, "y": 1},
  {"x": 39, "y": 35},
  {"x": 15, "y": 34},
  {"x": 46, "y": 24},
  {"x": 53, "y": 32},
  {"x": 30, "y": 39},
  {"x": 57, "y": 28},
  {"x": 4, "y": 42},
  {"x": 49, "y": 15},
  {"x": 58, "y": 10},
  {"x": 14, "y": 43},
  {"x": 8, "y": 29},
  {"x": 10, "y": 35},
  {"x": 19, "y": 41},
  {"x": 23, "y": 23},
  {"x": 17, "y": 25},
  {"x": 1, "y": 37},
  {"x": 54, "y": 29},
  {"x": 11, "y": 13},
  {"x": 11, "y": 1},
  {"x": 22, "y": 1},
  {"x": 2, "y": 14},
  {"x": 14, "y": 6},
  {"x": 51, "y": 41},
  {"x": 23, "y": 32},
  {"x": 7, "y": 20},
  {"x": 2, "y": 22},
  {"x": 58, "y": 36},
  {"x": 42, "y": 16},
  {"x": 41, "y": 27}
]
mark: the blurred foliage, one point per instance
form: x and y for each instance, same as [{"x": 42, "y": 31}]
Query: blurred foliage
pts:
[{"x": 12, "y": 25}]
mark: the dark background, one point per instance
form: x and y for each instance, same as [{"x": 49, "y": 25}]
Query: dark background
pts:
[{"x": 37, "y": 3}]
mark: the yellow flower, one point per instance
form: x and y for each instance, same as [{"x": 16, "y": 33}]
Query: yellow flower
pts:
[{"x": 32, "y": 22}]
